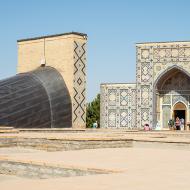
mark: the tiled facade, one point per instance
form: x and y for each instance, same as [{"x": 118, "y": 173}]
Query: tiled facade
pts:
[
  {"x": 158, "y": 65},
  {"x": 118, "y": 105}
]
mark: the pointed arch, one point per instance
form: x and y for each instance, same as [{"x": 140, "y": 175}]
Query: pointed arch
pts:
[
  {"x": 169, "y": 70},
  {"x": 179, "y": 102},
  {"x": 160, "y": 87}
]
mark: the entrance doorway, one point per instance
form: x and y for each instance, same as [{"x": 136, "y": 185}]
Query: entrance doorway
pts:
[
  {"x": 180, "y": 114},
  {"x": 171, "y": 96},
  {"x": 179, "y": 111}
]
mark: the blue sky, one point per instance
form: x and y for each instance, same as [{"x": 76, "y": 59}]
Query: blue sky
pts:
[{"x": 113, "y": 28}]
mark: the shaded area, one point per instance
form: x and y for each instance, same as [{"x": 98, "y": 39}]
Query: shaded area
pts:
[
  {"x": 37, "y": 99},
  {"x": 174, "y": 81}
]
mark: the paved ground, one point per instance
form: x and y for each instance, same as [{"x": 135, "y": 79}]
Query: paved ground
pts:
[
  {"x": 141, "y": 167},
  {"x": 153, "y": 136},
  {"x": 146, "y": 166}
]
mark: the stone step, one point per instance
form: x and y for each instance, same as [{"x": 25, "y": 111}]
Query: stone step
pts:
[
  {"x": 8, "y": 129},
  {"x": 52, "y": 130}
]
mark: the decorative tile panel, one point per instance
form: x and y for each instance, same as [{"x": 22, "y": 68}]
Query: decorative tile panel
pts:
[
  {"x": 168, "y": 55},
  {"x": 145, "y": 116},
  {"x": 112, "y": 118},
  {"x": 118, "y": 104},
  {"x": 123, "y": 97},
  {"x": 167, "y": 99},
  {"x": 124, "y": 118},
  {"x": 112, "y": 97},
  {"x": 133, "y": 97},
  {"x": 180, "y": 98},
  {"x": 145, "y": 69},
  {"x": 171, "y": 53},
  {"x": 145, "y": 95},
  {"x": 79, "y": 100},
  {"x": 133, "y": 119},
  {"x": 144, "y": 80}
]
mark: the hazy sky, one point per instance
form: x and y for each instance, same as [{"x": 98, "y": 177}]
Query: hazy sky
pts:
[{"x": 113, "y": 28}]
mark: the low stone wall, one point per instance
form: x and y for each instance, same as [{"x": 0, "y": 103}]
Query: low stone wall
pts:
[
  {"x": 51, "y": 144},
  {"x": 41, "y": 171},
  {"x": 7, "y": 129},
  {"x": 8, "y": 141},
  {"x": 52, "y": 130}
]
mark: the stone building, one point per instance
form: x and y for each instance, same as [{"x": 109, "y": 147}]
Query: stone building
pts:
[
  {"x": 161, "y": 91},
  {"x": 49, "y": 90}
]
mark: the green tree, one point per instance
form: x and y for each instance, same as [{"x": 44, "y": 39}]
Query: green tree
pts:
[{"x": 93, "y": 112}]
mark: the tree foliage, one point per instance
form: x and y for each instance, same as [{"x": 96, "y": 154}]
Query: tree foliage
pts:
[{"x": 93, "y": 112}]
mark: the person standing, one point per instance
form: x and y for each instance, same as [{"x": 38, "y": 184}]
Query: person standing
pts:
[
  {"x": 171, "y": 124},
  {"x": 95, "y": 125},
  {"x": 182, "y": 121},
  {"x": 146, "y": 127},
  {"x": 177, "y": 123}
]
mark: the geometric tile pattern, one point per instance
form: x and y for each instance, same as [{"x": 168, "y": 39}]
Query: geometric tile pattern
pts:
[
  {"x": 136, "y": 105},
  {"x": 133, "y": 95},
  {"x": 118, "y": 105},
  {"x": 112, "y": 97},
  {"x": 123, "y": 97},
  {"x": 166, "y": 99},
  {"x": 172, "y": 54},
  {"x": 145, "y": 115},
  {"x": 145, "y": 76},
  {"x": 124, "y": 118},
  {"x": 79, "y": 101},
  {"x": 153, "y": 60},
  {"x": 144, "y": 95},
  {"x": 180, "y": 98},
  {"x": 144, "y": 80},
  {"x": 112, "y": 118},
  {"x": 133, "y": 119}
]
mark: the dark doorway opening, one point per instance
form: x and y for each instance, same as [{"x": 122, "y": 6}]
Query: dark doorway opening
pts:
[{"x": 179, "y": 113}]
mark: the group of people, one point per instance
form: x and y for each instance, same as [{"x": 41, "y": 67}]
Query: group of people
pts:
[{"x": 177, "y": 124}]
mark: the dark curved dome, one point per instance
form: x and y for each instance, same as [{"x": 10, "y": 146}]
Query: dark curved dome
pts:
[{"x": 37, "y": 99}]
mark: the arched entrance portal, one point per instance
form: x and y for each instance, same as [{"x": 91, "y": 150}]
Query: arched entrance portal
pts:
[
  {"x": 172, "y": 95},
  {"x": 180, "y": 110}
]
